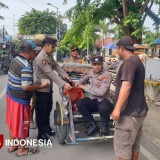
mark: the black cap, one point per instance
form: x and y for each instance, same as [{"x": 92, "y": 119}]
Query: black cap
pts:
[
  {"x": 97, "y": 59},
  {"x": 49, "y": 40},
  {"x": 29, "y": 45},
  {"x": 126, "y": 42},
  {"x": 74, "y": 47}
]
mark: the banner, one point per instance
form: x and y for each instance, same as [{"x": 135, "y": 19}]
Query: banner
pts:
[{"x": 38, "y": 36}]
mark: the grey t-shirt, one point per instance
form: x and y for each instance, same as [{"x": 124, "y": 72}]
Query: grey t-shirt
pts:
[{"x": 132, "y": 70}]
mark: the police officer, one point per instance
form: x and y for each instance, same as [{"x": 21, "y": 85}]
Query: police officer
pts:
[
  {"x": 74, "y": 56},
  {"x": 99, "y": 89},
  {"x": 46, "y": 68}
]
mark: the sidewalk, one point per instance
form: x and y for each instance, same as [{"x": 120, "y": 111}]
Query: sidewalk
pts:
[{"x": 151, "y": 128}]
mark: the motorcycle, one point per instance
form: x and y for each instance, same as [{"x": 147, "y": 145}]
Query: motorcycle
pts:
[{"x": 5, "y": 64}]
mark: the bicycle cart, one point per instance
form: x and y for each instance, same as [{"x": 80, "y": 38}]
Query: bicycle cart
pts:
[{"x": 68, "y": 121}]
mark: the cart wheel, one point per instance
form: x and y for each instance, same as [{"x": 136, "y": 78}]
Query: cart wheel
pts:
[
  {"x": 61, "y": 133},
  {"x": 60, "y": 129}
]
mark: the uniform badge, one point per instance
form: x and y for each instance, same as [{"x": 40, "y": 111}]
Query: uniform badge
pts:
[
  {"x": 96, "y": 59},
  {"x": 105, "y": 77},
  {"x": 43, "y": 62}
]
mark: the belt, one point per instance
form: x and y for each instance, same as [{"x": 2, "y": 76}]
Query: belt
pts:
[{"x": 51, "y": 87}]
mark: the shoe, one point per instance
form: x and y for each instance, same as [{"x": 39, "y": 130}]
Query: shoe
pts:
[
  {"x": 105, "y": 130},
  {"x": 32, "y": 126},
  {"x": 42, "y": 137},
  {"x": 30, "y": 151},
  {"x": 49, "y": 131},
  {"x": 91, "y": 129},
  {"x": 13, "y": 150},
  {"x": 88, "y": 125}
]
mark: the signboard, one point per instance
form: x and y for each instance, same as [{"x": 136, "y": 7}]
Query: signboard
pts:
[
  {"x": 38, "y": 36},
  {"x": 152, "y": 81},
  {"x": 152, "y": 69}
]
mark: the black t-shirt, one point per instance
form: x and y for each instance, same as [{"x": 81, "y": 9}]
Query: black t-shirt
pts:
[{"x": 132, "y": 70}]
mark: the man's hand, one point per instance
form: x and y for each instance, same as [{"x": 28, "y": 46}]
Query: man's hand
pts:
[
  {"x": 82, "y": 86},
  {"x": 115, "y": 114},
  {"x": 72, "y": 82},
  {"x": 67, "y": 86},
  {"x": 44, "y": 84},
  {"x": 69, "y": 78}
]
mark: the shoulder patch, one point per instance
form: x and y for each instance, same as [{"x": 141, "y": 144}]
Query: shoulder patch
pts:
[
  {"x": 105, "y": 77},
  {"x": 43, "y": 62}
]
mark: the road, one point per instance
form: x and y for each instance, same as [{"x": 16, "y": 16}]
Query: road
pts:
[{"x": 85, "y": 151}]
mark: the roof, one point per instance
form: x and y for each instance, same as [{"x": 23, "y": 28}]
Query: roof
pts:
[
  {"x": 140, "y": 46},
  {"x": 157, "y": 41},
  {"x": 110, "y": 46}
]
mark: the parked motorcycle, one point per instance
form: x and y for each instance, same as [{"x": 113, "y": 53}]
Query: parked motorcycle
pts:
[{"x": 5, "y": 64}]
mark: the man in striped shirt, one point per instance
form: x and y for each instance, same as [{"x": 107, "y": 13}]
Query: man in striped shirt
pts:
[{"x": 19, "y": 92}]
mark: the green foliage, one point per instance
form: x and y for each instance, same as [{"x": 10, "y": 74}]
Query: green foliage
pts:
[
  {"x": 82, "y": 31},
  {"x": 129, "y": 22},
  {"x": 150, "y": 38},
  {"x": 40, "y": 22},
  {"x": 2, "y": 5},
  {"x": 63, "y": 29},
  {"x": 18, "y": 44},
  {"x": 37, "y": 22},
  {"x": 64, "y": 50}
]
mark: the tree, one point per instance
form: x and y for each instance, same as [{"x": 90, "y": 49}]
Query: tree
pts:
[
  {"x": 129, "y": 15},
  {"x": 150, "y": 38},
  {"x": 40, "y": 22},
  {"x": 2, "y": 5},
  {"x": 82, "y": 31}
]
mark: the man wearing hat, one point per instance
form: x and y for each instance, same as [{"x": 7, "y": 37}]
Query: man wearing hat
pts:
[
  {"x": 131, "y": 107},
  {"x": 74, "y": 56},
  {"x": 99, "y": 89},
  {"x": 19, "y": 92},
  {"x": 46, "y": 70}
]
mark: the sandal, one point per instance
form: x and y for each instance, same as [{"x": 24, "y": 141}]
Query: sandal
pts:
[
  {"x": 30, "y": 151},
  {"x": 32, "y": 126},
  {"x": 10, "y": 151}
]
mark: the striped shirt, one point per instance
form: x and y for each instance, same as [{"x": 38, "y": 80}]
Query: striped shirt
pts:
[{"x": 20, "y": 74}]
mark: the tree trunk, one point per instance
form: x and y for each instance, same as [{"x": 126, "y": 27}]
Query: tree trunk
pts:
[
  {"x": 137, "y": 41},
  {"x": 125, "y": 13},
  {"x": 127, "y": 30}
]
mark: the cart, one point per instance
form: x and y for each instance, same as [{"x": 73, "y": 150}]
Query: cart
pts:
[{"x": 68, "y": 121}]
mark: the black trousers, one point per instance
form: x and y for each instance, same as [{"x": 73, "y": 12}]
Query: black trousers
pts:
[
  {"x": 43, "y": 109},
  {"x": 86, "y": 106}
]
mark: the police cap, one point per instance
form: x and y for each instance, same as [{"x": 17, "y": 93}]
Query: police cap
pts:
[
  {"x": 74, "y": 48},
  {"x": 97, "y": 59}
]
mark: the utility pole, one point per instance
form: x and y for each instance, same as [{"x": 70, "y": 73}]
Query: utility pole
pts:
[
  {"x": 87, "y": 46},
  {"x": 59, "y": 29},
  {"x": 14, "y": 25},
  {"x": 56, "y": 20},
  {"x": 3, "y": 33}
]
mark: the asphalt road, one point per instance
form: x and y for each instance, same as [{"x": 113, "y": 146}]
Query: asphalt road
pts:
[{"x": 82, "y": 151}]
